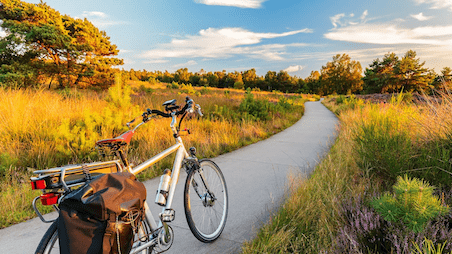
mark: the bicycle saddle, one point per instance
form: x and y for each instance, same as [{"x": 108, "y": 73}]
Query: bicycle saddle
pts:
[{"x": 122, "y": 139}]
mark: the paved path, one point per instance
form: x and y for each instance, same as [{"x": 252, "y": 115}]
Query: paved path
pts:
[{"x": 256, "y": 177}]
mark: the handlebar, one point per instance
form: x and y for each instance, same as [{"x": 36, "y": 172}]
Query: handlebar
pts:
[{"x": 189, "y": 107}]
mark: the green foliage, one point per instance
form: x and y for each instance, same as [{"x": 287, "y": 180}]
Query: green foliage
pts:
[
  {"x": 40, "y": 44},
  {"x": 412, "y": 203},
  {"x": 392, "y": 75},
  {"x": 6, "y": 162},
  {"x": 144, "y": 89},
  {"x": 187, "y": 89},
  {"x": 341, "y": 76},
  {"x": 239, "y": 85},
  {"x": 173, "y": 85},
  {"x": 256, "y": 109}
]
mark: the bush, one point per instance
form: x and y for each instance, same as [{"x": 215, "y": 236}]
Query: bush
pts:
[
  {"x": 239, "y": 85},
  {"x": 188, "y": 89},
  {"x": 413, "y": 204},
  {"x": 173, "y": 85},
  {"x": 257, "y": 109}
]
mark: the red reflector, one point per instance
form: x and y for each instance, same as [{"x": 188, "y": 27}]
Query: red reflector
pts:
[
  {"x": 38, "y": 185},
  {"x": 49, "y": 198}
]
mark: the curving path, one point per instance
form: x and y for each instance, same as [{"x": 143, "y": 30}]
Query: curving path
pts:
[{"x": 256, "y": 177}]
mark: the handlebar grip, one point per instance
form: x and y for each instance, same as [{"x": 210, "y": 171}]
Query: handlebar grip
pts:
[{"x": 189, "y": 106}]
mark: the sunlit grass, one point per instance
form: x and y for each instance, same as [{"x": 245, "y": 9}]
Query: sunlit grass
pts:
[{"x": 42, "y": 129}]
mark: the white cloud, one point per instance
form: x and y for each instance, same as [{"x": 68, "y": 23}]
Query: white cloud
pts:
[
  {"x": 437, "y": 4},
  {"x": 189, "y": 63},
  {"x": 337, "y": 19},
  {"x": 293, "y": 68},
  {"x": 254, "y": 4},
  {"x": 101, "y": 19},
  {"x": 391, "y": 34},
  {"x": 223, "y": 43},
  {"x": 364, "y": 15},
  {"x": 433, "y": 43},
  {"x": 342, "y": 20},
  {"x": 158, "y": 61},
  {"x": 94, "y": 14},
  {"x": 420, "y": 17}
]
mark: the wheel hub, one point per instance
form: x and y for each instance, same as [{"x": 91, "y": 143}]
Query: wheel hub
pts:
[{"x": 207, "y": 200}]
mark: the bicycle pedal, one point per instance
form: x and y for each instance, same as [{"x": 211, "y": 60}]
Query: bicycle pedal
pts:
[{"x": 168, "y": 215}]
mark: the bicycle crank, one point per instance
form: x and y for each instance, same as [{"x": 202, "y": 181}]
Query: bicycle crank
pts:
[{"x": 165, "y": 238}]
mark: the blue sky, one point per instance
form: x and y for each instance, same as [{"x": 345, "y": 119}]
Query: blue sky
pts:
[{"x": 296, "y": 36}]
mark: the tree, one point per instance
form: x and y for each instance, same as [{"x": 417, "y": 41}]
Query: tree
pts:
[
  {"x": 285, "y": 82},
  {"x": 182, "y": 76},
  {"x": 380, "y": 77},
  {"x": 212, "y": 79},
  {"x": 249, "y": 78},
  {"x": 312, "y": 83},
  {"x": 57, "y": 46},
  {"x": 443, "y": 82},
  {"x": 413, "y": 77},
  {"x": 271, "y": 80},
  {"x": 341, "y": 76}
]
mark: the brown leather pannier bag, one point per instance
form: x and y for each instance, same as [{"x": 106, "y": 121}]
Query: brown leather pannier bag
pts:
[{"x": 92, "y": 217}]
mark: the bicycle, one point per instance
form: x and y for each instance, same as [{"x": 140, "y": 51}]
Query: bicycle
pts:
[{"x": 205, "y": 191}]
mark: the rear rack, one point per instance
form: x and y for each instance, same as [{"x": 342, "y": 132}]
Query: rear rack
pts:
[
  {"x": 60, "y": 180},
  {"x": 71, "y": 175}
]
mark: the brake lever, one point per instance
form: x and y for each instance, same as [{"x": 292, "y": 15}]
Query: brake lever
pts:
[
  {"x": 129, "y": 123},
  {"x": 199, "y": 110}
]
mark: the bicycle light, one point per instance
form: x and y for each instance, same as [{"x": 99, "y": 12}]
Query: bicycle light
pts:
[
  {"x": 38, "y": 184},
  {"x": 49, "y": 198}
]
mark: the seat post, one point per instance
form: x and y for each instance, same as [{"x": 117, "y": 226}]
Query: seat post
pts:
[{"x": 123, "y": 158}]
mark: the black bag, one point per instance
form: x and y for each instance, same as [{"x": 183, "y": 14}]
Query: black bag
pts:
[{"x": 92, "y": 216}]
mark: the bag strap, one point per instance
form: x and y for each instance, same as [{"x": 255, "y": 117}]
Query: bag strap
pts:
[{"x": 109, "y": 236}]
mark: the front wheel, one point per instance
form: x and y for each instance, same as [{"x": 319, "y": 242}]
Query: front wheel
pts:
[{"x": 206, "y": 201}]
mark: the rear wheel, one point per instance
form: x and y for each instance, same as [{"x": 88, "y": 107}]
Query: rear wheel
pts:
[
  {"x": 206, "y": 201},
  {"x": 49, "y": 242}
]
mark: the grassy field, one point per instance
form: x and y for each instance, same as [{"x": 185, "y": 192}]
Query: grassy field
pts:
[
  {"x": 42, "y": 129},
  {"x": 341, "y": 208}
]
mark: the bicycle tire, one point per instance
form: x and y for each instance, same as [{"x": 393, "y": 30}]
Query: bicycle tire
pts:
[
  {"x": 46, "y": 245},
  {"x": 206, "y": 215}
]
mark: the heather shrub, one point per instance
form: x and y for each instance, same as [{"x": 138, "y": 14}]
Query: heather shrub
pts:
[{"x": 366, "y": 231}]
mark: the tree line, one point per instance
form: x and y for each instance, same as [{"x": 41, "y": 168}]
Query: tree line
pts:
[
  {"x": 280, "y": 81},
  {"x": 340, "y": 76}
]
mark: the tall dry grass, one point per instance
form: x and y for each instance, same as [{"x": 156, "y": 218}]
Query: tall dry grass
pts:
[{"x": 41, "y": 129}]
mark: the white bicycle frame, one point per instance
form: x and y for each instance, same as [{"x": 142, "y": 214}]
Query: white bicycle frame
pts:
[{"x": 181, "y": 154}]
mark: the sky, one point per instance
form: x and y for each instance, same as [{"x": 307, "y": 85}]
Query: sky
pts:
[{"x": 267, "y": 35}]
